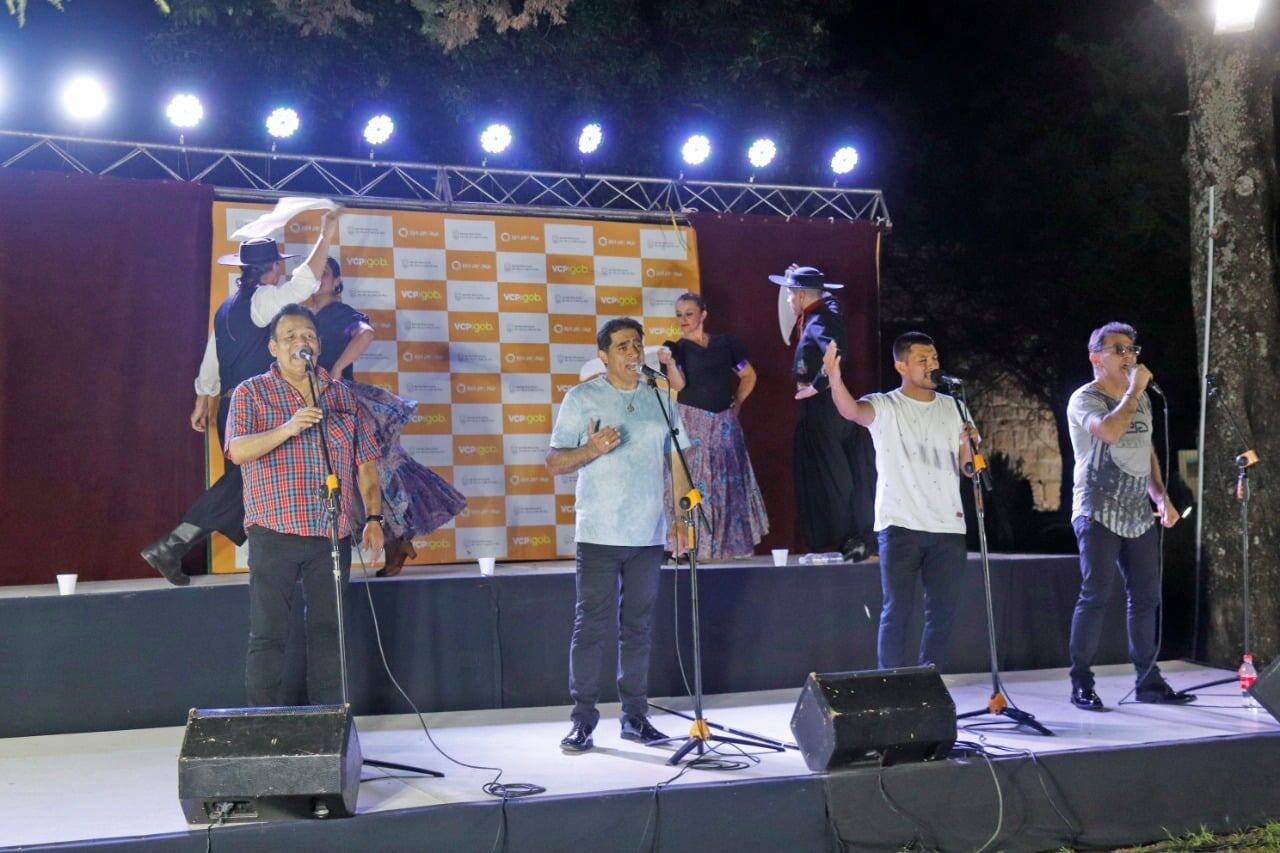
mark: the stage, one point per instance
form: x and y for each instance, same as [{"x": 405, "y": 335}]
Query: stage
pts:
[
  {"x": 140, "y": 653},
  {"x": 1132, "y": 774}
]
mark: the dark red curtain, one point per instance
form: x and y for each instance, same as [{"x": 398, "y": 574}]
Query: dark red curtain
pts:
[
  {"x": 104, "y": 300},
  {"x": 735, "y": 256}
]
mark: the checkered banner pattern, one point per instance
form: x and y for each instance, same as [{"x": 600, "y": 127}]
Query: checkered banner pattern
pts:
[{"x": 485, "y": 321}]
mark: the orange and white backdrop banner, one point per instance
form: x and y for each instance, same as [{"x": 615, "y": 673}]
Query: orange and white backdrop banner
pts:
[{"x": 485, "y": 321}]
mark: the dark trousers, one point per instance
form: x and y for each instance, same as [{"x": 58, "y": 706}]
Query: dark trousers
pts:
[
  {"x": 834, "y": 473},
  {"x": 221, "y": 506},
  {"x": 1101, "y": 553},
  {"x": 935, "y": 558},
  {"x": 276, "y": 561},
  {"x": 621, "y": 579}
]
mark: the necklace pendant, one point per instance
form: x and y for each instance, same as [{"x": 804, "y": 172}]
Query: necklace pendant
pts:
[{"x": 631, "y": 407}]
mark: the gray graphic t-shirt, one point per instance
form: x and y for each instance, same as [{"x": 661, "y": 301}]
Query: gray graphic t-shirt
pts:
[{"x": 1111, "y": 479}]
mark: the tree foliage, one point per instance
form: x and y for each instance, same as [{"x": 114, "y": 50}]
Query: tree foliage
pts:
[{"x": 18, "y": 8}]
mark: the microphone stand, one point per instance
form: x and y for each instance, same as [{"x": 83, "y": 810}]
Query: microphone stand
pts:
[
  {"x": 691, "y": 503},
  {"x": 999, "y": 705},
  {"x": 333, "y": 510},
  {"x": 1244, "y": 462}
]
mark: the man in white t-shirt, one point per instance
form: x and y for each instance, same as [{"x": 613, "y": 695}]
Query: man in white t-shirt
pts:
[{"x": 921, "y": 448}]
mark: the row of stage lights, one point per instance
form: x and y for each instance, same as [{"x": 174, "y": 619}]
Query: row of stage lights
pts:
[{"x": 84, "y": 99}]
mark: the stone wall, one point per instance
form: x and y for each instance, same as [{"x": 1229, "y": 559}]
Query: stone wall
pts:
[{"x": 1017, "y": 425}]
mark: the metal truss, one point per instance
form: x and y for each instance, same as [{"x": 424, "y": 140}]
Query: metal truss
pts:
[{"x": 259, "y": 175}]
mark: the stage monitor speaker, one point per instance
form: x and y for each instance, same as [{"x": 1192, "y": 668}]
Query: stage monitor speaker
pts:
[
  {"x": 889, "y": 715},
  {"x": 1267, "y": 688},
  {"x": 269, "y": 763}
]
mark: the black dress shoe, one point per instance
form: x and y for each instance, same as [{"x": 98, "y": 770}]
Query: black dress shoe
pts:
[
  {"x": 1085, "y": 698},
  {"x": 1160, "y": 692},
  {"x": 640, "y": 730},
  {"x": 165, "y": 555},
  {"x": 578, "y": 739}
]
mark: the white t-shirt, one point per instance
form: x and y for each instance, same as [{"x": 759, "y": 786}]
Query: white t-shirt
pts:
[{"x": 917, "y": 463}]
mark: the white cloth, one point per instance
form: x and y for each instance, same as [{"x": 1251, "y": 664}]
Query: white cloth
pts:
[
  {"x": 917, "y": 463},
  {"x": 264, "y": 305},
  {"x": 285, "y": 209}
]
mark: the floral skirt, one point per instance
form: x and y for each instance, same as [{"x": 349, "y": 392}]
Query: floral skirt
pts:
[
  {"x": 415, "y": 499},
  {"x": 722, "y": 472}
]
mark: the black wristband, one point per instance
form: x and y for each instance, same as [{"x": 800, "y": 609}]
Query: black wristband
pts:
[{"x": 374, "y": 517}]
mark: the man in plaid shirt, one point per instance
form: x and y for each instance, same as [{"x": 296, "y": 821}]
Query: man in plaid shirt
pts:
[{"x": 272, "y": 434}]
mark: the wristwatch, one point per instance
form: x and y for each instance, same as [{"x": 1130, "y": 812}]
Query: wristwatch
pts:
[{"x": 374, "y": 517}]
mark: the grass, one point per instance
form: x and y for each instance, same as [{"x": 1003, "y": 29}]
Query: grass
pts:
[{"x": 1260, "y": 838}]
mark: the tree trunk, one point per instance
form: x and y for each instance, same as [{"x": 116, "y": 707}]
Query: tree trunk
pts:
[{"x": 1232, "y": 148}]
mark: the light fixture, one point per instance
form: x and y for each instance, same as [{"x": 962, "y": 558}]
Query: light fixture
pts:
[
  {"x": 1234, "y": 16},
  {"x": 379, "y": 129},
  {"x": 696, "y": 149},
  {"x": 844, "y": 160},
  {"x": 84, "y": 98},
  {"x": 495, "y": 139},
  {"x": 283, "y": 122},
  {"x": 590, "y": 138},
  {"x": 761, "y": 153},
  {"x": 184, "y": 111}
]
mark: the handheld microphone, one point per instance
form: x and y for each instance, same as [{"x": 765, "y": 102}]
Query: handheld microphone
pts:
[
  {"x": 651, "y": 373},
  {"x": 308, "y": 356},
  {"x": 940, "y": 378},
  {"x": 1151, "y": 385}
]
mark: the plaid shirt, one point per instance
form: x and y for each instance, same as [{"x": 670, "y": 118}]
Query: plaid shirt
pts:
[{"x": 284, "y": 489}]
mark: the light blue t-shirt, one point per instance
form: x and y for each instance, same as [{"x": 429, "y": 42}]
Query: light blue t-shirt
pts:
[{"x": 621, "y": 499}]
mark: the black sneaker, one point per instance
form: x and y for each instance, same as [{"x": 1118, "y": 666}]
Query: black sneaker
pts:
[
  {"x": 640, "y": 730},
  {"x": 1161, "y": 693},
  {"x": 578, "y": 739}
]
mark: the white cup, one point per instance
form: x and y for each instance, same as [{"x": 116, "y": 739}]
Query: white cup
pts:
[
  {"x": 780, "y": 556},
  {"x": 67, "y": 584},
  {"x": 487, "y": 565}
]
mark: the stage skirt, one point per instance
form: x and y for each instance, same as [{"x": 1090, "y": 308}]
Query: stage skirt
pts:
[
  {"x": 722, "y": 472},
  {"x": 415, "y": 499}
]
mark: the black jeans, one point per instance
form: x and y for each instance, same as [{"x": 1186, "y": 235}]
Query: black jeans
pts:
[
  {"x": 937, "y": 559},
  {"x": 276, "y": 561},
  {"x": 1138, "y": 559},
  {"x": 221, "y": 506},
  {"x": 621, "y": 579}
]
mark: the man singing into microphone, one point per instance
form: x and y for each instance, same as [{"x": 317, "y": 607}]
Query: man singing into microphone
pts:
[
  {"x": 274, "y": 434},
  {"x": 1116, "y": 477},
  {"x": 921, "y": 447},
  {"x": 611, "y": 431}
]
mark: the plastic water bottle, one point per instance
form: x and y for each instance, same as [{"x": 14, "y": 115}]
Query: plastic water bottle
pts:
[
  {"x": 820, "y": 559},
  {"x": 1248, "y": 675}
]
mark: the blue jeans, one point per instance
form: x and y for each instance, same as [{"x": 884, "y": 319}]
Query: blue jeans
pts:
[
  {"x": 935, "y": 558},
  {"x": 613, "y": 579},
  {"x": 1138, "y": 559}
]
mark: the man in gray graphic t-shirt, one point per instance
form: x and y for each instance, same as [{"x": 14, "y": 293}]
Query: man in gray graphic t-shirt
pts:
[{"x": 1117, "y": 477}]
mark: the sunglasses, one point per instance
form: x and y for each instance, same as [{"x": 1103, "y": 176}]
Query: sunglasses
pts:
[{"x": 1121, "y": 349}]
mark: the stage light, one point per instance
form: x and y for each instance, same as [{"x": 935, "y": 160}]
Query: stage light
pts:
[
  {"x": 495, "y": 139},
  {"x": 590, "y": 138},
  {"x": 184, "y": 111},
  {"x": 696, "y": 150},
  {"x": 379, "y": 129},
  {"x": 282, "y": 123},
  {"x": 762, "y": 152},
  {"x": 844, "y": 160},
  {"x": 1234, "y": 16},
  {"x": 84, "y": 98}
]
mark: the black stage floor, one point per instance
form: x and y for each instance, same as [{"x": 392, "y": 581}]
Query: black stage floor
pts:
[{"x": 139, "y": 654}]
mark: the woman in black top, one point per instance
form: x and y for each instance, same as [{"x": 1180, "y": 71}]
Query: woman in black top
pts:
[
  {"x": 714, "y": 378},
  {"x": 415, "y": 500}
]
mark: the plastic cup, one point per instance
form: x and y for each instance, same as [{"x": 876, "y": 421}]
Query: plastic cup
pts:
[
  {"x": 780, "y": 556},
  {"x": 487, "y": 565},
  {"x": 67, "y": 584}
]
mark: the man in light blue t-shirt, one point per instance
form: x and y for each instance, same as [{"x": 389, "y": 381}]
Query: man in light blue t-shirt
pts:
[{"x": 611, "y": 431}]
